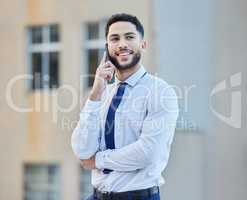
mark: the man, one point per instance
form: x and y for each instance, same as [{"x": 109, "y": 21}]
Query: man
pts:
[{"x": 126, "y": 128}]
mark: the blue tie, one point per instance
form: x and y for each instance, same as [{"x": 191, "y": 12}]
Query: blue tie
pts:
[{"x": 110, "y": 120}]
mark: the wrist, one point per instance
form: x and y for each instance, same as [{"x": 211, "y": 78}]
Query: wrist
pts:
[
  {"x": 95, "y": 96},
  {"x": 96, "y": 92}
]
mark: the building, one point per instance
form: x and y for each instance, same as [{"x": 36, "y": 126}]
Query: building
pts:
[
  {"x": 48, "y": 47},
  {"x": 194, "y": 45}
]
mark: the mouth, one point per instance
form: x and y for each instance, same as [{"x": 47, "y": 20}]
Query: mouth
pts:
[{"x": 124, "y": 53}]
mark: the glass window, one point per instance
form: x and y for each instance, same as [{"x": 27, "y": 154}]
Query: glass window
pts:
[
  {"x": 92, "y": 64},
  {"x": 93, "y": 31},
  {"x": 53, "y": 69},
  {"x": 43, "y": 54},
  {"x": 54, "y": 33},
  {"x": 37, "y": 70},
  {"x": 36, "y": 35},
  {"x": 94, "y": 47},
  {"x": 41, "y": 182}
]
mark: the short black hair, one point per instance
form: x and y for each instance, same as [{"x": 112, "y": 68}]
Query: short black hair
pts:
[{"x": 123, "y": 17}]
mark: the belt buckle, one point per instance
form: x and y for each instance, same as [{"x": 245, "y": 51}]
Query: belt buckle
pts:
[{"x": 105, "y": 195}]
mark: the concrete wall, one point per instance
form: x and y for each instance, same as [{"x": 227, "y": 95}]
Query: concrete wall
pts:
[
  {"x": 13, "y": 125},
  {"x": 202, "y": 43},
  {"x": 230, "y": 160}
]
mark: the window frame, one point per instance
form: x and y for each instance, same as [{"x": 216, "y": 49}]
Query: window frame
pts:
[
  {"x": 44, "y": 186},
  {"x": 45, "y": 47}
]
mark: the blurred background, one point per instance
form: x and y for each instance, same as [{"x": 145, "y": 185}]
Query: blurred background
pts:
[{"x": 48, "y": 48}]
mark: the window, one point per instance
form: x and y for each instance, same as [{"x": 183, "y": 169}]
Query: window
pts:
[
  {"x": 43, "y": 56},
  {"x": 94, "y": 47},
  {"x": 86, "y": 188},
  {"x": 41, "y": 182}
]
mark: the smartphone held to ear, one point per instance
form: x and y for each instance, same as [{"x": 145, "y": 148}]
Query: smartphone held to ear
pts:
[
  {"x": 107, "y": 52},
  {"x": 107, "y": 59}
]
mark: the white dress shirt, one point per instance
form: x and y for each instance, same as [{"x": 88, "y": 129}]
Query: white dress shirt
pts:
[{"x": 144, "y": 128}]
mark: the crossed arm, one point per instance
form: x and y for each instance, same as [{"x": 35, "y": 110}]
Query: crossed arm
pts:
[{"x": 157, "y": 133}]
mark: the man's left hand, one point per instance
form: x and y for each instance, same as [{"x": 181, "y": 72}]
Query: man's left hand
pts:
[{"x": 88, "y": 163}]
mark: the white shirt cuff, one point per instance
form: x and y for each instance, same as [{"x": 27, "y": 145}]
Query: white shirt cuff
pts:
[
  {"x": 99, "y": 162},
  {"x": 100, "y": 158}
]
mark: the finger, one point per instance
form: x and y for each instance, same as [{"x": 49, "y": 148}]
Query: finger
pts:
[
  {"x": 110, "y": 64},
  {"x": 109, "y": 70},
  {"x": 105, "y": 66},
  {"x": 107, "y": 75}
]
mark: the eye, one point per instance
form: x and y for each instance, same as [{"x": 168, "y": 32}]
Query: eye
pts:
[
  {"x": 114, "y": 39},
  {"x": 129, "y": 37}
]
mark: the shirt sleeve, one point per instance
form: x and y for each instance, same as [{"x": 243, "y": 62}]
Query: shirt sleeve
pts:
[
  {"x": 157, "y": 135},
  {"x": 85, "y": 137}
]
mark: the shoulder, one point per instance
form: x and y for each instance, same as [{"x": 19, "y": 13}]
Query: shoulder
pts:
[
  {"x": 162, "y": 96},
  {"x": 158, "y": 86}
]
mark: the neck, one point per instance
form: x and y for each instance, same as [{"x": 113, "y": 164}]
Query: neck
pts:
[{"x": 122, "y": 75}]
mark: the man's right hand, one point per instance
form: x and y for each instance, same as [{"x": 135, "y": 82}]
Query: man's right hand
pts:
[{"x": 104, "y": 73}]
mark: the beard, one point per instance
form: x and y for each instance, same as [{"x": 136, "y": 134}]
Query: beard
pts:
[{"x": 135, "y": 60}]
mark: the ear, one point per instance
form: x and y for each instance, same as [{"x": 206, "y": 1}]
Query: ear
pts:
[{"x": 143, "y": 45}]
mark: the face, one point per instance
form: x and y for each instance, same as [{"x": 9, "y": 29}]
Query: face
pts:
[{"x": 125, "y": 45}]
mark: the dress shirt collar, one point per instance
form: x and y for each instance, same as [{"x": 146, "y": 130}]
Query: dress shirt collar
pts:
[{"x": 134, "y": 78}]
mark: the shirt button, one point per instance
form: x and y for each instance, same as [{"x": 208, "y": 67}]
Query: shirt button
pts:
[{"x": 150, "y": 173}]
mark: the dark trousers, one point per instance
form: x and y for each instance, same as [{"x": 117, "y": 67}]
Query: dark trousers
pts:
[{"x": 153, "y": 197}]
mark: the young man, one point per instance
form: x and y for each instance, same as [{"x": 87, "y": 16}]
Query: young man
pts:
[{"x": 126, "y": 128}]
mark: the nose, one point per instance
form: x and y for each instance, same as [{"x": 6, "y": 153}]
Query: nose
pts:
[{"x": 122, "y": 44}]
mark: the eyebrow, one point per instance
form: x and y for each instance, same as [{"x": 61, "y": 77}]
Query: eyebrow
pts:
[{"x": 129, "y": 33}]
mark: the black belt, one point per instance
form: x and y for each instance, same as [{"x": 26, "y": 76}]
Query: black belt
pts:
[{"x": 132, "y": 195}]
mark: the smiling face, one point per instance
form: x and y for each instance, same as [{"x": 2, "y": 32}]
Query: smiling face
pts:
[{"x": 125, "y": 45}]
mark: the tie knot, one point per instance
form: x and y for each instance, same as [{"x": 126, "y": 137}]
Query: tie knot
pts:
[
  {"x": 122, "y": 83},
  {"x": 122, "y": 86}
]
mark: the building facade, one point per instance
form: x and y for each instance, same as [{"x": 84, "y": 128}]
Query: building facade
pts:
[{"x": 48, "y": 48}]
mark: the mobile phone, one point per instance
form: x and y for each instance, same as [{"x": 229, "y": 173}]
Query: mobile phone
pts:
[{"x": 107, "y": 52}]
